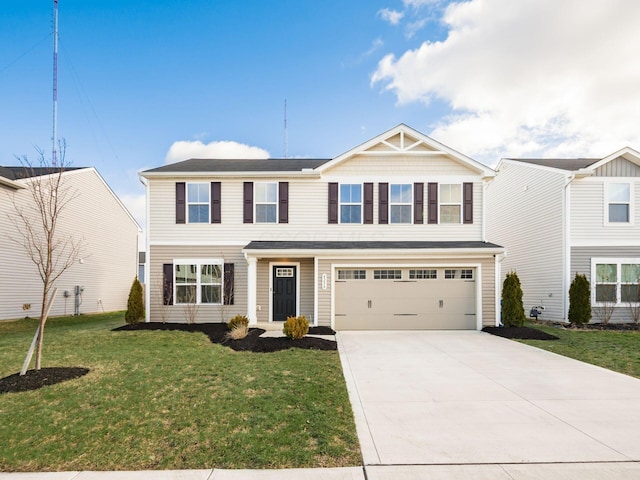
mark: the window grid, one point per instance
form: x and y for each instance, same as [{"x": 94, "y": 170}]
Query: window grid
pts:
[
  {"x": 387, "y": 274},
  {"x": 351, "y": 203},
  {"x": 423, "y": 274},
  {"x": 352, "y": 275},
  {"x": 266, "y": 200},
  {"x": 450, "y": 203},
  {"x": 400, "y": 203},
  {"x": 198, "y": 283},
  {"x": 198, "y": 202}
]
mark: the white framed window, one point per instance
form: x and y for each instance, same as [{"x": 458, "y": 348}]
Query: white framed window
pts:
[
  {"x": 352, "y": 274},
  {"x": 615, "y": 280},
  {"x": 351, "y": 203},
  {"x": 618, "y": 203},
  {"x": 266, "y": 202},
  {"x": 198, "y": 281},
  {"x": 423, "y": 274},
  {"x": 387, "y": 274},
  {"x": 198, "y": 202},
  {"x": 450, "y": 203},
  {"x": 400, "y": 203}
]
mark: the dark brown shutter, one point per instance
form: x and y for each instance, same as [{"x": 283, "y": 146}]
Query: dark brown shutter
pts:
[
  {"x": 228, "y": 284},
  {"x": 216, "y": 194},
  {"x": 467, "y": 202},
  {"x": 283, "y": 202},
  {"x": 368, "y": 203},
  {"x": 418, "y": 203},
  {"x": 333, "y": 203},
  {"x": 248, "y": 202},
  {"x": 383, "y": 203},
  {"x": 180, "y": 202},
  {"x": 167, "y": 284},
  {"x": 432, "y": 202}
]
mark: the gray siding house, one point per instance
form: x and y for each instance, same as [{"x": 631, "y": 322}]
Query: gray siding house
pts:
[
  {"x": 559, "y": 217},
  {"x": 389, "y": 235}
]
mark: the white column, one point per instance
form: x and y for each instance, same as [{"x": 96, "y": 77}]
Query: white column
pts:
[{"x": 252, "y": 282}]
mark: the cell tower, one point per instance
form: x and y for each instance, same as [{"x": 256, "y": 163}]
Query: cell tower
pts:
[
  {"x": 54, "y": 138},
  {"x": 286, "y": 134}
]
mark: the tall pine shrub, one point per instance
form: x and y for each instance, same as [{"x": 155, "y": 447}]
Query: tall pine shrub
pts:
[
  {"x": 580, "y": 300},
  {"x": 512, "y": 307},
  {"x": 135, "y": 305}
]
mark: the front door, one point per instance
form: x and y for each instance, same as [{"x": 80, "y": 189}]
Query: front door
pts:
[{"x": 284, "y": 292}]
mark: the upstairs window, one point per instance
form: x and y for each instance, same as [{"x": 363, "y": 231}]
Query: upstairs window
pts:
[
  {"x": 350, "y": 203},
  {"x": 198, "y": 202},
  {"x": 266, "y": 201},
  {"x": 619, "y": 202},
  {"x": 400, "y": 203},
  {"x": 450, "y": 203}
]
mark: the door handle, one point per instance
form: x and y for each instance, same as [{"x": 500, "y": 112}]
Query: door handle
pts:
[{"x": 369, "y": 304}]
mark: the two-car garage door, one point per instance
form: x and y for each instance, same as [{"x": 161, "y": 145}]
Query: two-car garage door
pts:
[{"x": 405, "y": 298}]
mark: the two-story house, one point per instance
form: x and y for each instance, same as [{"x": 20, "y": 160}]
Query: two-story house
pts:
[
  {"x": 100, "y": 279},
  {"x": 559, "y": 217},
  {"x": 389, "y": 235}
]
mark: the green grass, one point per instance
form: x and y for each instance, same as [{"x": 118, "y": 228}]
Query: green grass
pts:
[
  {"x": 170, "y": 400},
  {"x": 614, "y": 350}
]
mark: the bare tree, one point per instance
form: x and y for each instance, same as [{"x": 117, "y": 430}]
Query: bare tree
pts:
[
  {"x": 36, "y": 220},
  {"x": 607, "y": 306},
  {"x": 634, "y": 305},
  {"x": 165, "y": 297},
  {"x": 191, "y": 306}
]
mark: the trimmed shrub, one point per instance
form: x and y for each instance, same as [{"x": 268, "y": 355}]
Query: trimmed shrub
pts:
[
  {"x": 296, "y": 327},
  {"x": 135, "y": 305},
  {"x": 512, "y": 307},
  {"x": 238, "y": 321},
  {"x": 580, "y": 300}
]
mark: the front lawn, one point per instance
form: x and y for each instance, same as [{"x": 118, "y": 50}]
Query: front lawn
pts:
[
  {"x": 170, "y": 400},
  {"x": 615, "y": 350}
]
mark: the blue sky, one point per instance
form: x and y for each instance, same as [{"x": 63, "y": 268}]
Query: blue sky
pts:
[{"x": 145, "y": 82}]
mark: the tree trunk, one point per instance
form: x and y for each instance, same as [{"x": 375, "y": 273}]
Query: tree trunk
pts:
[{"x": 43, "y": 319}]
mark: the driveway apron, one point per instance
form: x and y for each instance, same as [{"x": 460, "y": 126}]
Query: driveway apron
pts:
[{"x": 455, "y": 398}]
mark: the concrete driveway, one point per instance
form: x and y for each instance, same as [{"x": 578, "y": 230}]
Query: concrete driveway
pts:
[{"x": 470, "y": 398}]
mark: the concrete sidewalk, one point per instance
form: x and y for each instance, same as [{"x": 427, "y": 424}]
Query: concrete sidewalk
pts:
[{"x": 450, "y": 403}]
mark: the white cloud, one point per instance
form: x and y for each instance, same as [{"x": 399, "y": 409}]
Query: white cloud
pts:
[
  {"x": 533, "y": 77},
  {"x": 136, "y": 206},
  {"x": 185, "y": 149},
  {"x": 391, "y": 16}
]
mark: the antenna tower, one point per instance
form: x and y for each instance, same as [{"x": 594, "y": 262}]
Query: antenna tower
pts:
[
  {"x": 54, "y": 138},
  {"x": 286, "y": 134}
]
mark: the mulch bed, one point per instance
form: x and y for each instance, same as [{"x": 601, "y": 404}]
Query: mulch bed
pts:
[
  {"x": 251, "y": 343},
  {"x": 34, "y": 379},
  {"x": 520, "y": 333}
]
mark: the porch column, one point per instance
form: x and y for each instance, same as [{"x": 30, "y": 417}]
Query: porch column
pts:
[{"x": 252, "y": 281}]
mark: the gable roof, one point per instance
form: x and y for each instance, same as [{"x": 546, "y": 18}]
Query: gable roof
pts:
[
  {"x": 213, "y": 165},
  {"x": 21, "y": 172},
  {"x": 408, "y": 141},
  {"x": 580, "y": 166}
]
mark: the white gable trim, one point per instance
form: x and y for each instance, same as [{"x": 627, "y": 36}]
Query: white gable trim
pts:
[
  {"x": 407, "y": 149},
  {"x": 627, "y": 153}
]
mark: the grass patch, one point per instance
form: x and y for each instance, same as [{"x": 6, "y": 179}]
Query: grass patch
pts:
[
  {"x": 170, "y": 400},
  {"x": 614, "y": 350}
]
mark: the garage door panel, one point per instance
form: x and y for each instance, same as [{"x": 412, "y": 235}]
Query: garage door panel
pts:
[{"x": 441, "y": 303}]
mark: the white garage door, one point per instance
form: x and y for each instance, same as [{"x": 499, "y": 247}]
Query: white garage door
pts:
[{"x": 430, "y": 298}]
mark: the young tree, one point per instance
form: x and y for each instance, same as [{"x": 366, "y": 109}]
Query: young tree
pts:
[
  {"x": 512, "y": 307},
  {"x": 36, "y": 219},
  {"x": 580, "y": 300},
  {"x": 135, "y": 305}
]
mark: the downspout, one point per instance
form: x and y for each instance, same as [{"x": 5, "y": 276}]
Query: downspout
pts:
[
  {"x": 567, "y": 246},
  {"x": 147, "y": 290}
]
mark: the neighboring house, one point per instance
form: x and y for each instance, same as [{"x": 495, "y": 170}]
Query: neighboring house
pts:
[
  {"x": 559, "y": 217},
  {"x": 389, "y": 235},
  {"x": 101, "y": 278}
]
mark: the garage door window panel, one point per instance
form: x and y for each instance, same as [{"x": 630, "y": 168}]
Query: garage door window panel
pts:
[
  {"x": 352, "y": 275},
  {"x": 423, "y": 274},
  {"x": 387, "y": 274}
]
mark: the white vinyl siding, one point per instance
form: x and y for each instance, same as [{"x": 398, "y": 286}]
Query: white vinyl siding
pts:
[
  {"x": 526, "y": 217},
  {"x": 109, "y": 261}
]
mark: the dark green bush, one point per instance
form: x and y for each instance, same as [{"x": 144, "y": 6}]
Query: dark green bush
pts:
[
  {"x": 512, "y": 307},
  {"x": 296, "y": 327},
  {"x": 238, "y": 321},
  {"x": 580, "y": 300},
  {"x": 135, "y": 305}
]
